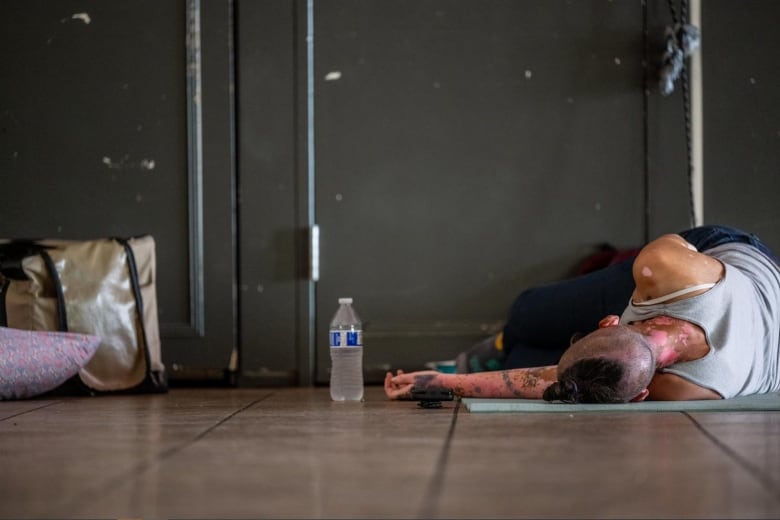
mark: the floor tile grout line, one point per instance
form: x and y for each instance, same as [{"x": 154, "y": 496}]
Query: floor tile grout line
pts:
[
  {"x": 435, "y": 485},
  {"x": 143, "y": 466},
  {"x": 766, "y": 481},
  {"x": 30, "y": 410},
  {"x": 223, "y": 421}
]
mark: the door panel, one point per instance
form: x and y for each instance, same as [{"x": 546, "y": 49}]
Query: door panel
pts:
[
  {"x": 101, "y": 136},
  {"x": 270, "y": 230},
  {"x": 465, "y": 151}
]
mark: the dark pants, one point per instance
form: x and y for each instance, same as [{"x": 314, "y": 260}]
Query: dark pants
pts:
[{"x": 543, "y": 319}]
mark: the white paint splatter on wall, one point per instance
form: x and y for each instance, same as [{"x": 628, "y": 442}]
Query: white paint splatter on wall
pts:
[
  {"x": 333, "y": 75},
  {"x": 84, "y": 17},
  {"x": 111, "y": 164}
]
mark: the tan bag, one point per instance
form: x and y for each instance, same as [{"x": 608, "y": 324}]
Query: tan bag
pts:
[{"x": 101, "y": 287}]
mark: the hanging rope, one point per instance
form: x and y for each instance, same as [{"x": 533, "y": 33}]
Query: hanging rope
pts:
[{"x": 682, "y": 40}]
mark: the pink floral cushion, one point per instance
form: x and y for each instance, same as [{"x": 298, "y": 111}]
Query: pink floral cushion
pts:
[{"x": 34, "y": 362}]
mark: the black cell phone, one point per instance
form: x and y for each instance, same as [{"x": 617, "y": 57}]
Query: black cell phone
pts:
[{"x": 432, "y": 394}]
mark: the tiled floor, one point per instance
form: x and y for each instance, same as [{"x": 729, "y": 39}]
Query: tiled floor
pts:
[{"x": 292, "y": 453}]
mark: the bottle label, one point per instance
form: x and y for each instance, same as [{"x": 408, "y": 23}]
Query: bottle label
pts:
[{"x": 344, "y": 338}]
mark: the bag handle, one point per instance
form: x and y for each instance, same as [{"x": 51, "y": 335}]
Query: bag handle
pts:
[
  {"x": 13, "y": 252},
  {"x": 55, "y": 278},
  {"x": 139, "y": 304},
  {"x": 11, "y": 255},
  {"x": 4, "y": 284}
]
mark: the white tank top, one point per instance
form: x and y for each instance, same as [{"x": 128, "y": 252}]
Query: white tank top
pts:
[{"x": 740, "y": 316}]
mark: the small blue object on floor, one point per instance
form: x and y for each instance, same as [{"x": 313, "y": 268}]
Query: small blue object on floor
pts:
[{"x": 751, "y": 403}]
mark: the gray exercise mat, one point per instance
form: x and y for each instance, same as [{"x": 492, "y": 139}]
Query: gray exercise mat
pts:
[{"x": 751, "y": 403}]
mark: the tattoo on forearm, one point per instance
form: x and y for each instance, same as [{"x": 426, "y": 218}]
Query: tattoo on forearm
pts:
[
  {"x": 531, "y": 378},
  {"x": 507, "y": 380},
  {"x": 524, "y": 382},
  {"x": 510, "y": 384},
  {"x": 424, "y": 380}
]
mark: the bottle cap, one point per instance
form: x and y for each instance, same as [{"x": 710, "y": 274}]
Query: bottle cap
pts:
[{"x": 345, "y": 300}]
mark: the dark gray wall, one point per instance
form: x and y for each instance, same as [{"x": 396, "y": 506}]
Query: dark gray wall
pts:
[
  {"x": 446, "y": 179},
  {"x": 742, "y": 116}
]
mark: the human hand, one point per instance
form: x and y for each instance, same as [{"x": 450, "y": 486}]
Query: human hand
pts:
[
  {"x": 609, "y": 321},
  {"x": 399, "y": 386}
]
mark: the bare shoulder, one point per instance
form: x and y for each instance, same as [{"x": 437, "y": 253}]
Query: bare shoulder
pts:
[
  {"x": 671, "y": 387},
  {"x": 669, "y": 264}
]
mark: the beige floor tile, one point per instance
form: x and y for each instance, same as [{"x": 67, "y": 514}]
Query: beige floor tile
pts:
[
  {"x": 753, "y": 437},
  {"x": 298, "y": 456},
  {"x": 594, "y": 465},
  {"x": 10, "y": 409},
  {"x": 64, "y": 452},
  {"x": 292, "y": 453}
]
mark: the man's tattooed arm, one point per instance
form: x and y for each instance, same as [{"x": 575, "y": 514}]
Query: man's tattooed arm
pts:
[{"x": 524, "y": 383}]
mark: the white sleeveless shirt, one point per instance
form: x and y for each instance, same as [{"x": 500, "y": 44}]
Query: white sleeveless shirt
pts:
[{"x": 740, "y": 316}]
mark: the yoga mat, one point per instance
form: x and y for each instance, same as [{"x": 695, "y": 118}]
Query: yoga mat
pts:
[{"x": 751, "y": 403}]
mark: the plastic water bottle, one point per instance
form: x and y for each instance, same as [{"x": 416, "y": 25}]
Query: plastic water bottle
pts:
[{"x": 346, "y": 354}]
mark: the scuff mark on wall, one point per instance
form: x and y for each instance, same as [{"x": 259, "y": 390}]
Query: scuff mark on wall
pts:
[
  {"x": 125, "y": 164},
  {"x": 108, "y": 162}
]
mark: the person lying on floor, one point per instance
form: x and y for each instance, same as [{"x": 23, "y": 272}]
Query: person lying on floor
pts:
[{"x": 702, "y": 322}]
